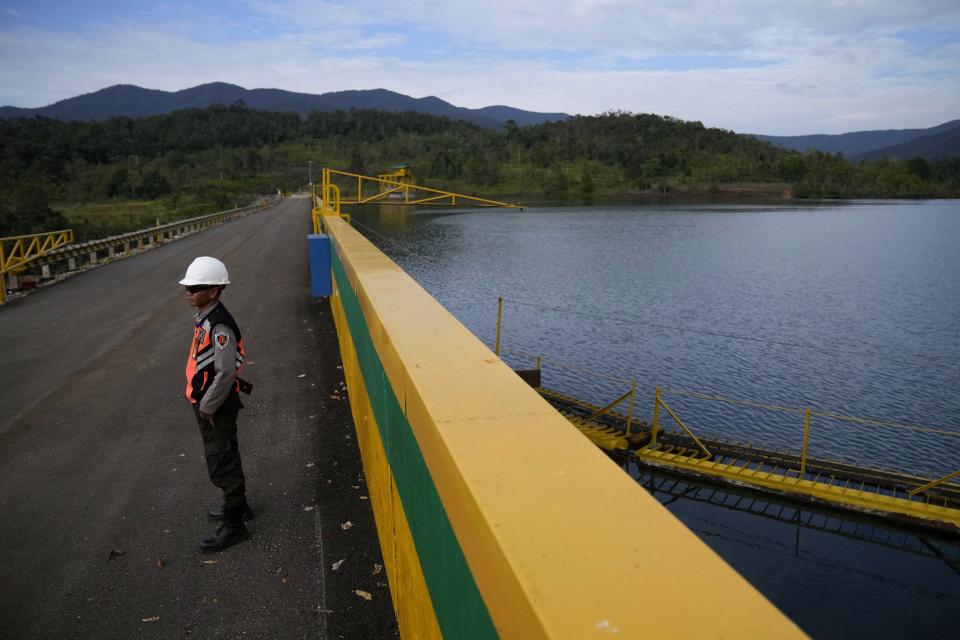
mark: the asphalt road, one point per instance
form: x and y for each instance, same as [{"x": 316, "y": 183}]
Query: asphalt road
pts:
[{"x": 103, "y": 487}]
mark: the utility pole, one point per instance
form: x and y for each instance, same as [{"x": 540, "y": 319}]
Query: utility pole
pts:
[{"x": 310, "y": 171}]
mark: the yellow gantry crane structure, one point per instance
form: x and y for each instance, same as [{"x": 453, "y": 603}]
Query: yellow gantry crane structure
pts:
[
  {"x": 16, "y": 252},
  {"x": 395, "y": 187},
  {"x": 400, "y": 173}
]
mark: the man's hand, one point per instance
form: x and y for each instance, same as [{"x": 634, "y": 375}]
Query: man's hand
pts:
[{"x": 208, "y": 417}]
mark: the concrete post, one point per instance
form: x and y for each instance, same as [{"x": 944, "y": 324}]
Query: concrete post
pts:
[
  {"x": 72, "y": 264},
  {"x": 93, "y": 257},
  {"x": 45, "y": 271}
]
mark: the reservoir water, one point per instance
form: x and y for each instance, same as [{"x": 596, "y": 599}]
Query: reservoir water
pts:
[{"x": 851, "y": 308}]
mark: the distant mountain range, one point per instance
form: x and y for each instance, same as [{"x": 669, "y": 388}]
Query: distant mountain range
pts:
[
  {"x": 132, "y": 101},
  {"x": 936, "y": 142}
]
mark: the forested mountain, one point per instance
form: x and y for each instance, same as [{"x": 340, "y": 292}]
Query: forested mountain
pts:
[
  {"x": 199, "y": 160},
  {"x": 938, "y": 145},
  {"x": 135, "y": 102},
  {"x": 857, "y": 143}
]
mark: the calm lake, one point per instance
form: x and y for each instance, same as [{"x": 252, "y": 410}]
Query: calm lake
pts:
[{"x": 851, "y": 308}]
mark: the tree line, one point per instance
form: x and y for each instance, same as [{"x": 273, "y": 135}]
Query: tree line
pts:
[{"x": 199, "y": 160}]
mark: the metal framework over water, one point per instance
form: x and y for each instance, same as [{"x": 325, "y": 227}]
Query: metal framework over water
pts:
[
  {"x": 902, "y": 497},
  {"x": 396, "y": 187},
  {"x": 891, "y": 494}
]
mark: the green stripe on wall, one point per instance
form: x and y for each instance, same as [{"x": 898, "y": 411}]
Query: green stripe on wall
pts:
[{"x": 456, "y": 599}]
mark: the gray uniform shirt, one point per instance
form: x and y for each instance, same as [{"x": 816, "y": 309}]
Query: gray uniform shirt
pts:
[{"x": 224, "y": 363}]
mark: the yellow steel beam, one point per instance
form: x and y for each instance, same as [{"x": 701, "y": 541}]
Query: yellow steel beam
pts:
[
  {"x": 858, "y": 499},
  {"x": 684, "y": 427},
  {"x": 600, "y": 412},
  {"x": 606, "y": 438},
  {"x": 934, "y": 483},
  {"x": 17, "y": 252},
  {"x": 394, "y": 186}
]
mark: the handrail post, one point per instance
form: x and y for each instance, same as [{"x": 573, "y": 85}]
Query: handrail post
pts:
[
  {"x": 656, "y": 416},
  {"x": 633, "y": 397},
  {"x": 806, "y": 441},
  {"x": 499, "y": 323}
]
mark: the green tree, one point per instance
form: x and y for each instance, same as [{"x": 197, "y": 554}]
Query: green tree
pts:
[
  {"x": 154, "y": 185},
  {"x": 119, "y": 183},
  {"x": 30, "y": 212},
  {"x": 556, "y": 181},
  {"x": 586, "y": 179}
]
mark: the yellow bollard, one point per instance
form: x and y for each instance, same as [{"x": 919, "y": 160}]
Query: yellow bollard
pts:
[
  {"x": 806, "y": 441},
  {"x": 633, "y": 397},
  {"x": 499, "y": 322},
  {"x": 656, "y": 416}
]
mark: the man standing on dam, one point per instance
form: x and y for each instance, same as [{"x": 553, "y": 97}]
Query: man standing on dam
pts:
[{"x": 213, "y": 365}]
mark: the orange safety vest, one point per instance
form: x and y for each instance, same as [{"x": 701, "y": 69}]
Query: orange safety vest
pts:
[{"x": 200, "y": 367}]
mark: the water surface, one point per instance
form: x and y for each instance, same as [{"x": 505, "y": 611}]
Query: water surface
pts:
[{"x": 845, "y": 307}]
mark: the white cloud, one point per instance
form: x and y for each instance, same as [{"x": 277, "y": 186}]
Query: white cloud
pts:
[
  {"x": 720, "y": 26},
  {"x": 800, "y": 68}
]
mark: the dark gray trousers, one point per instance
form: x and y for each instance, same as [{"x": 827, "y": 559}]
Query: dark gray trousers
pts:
[{"x": 222, "y": 451}]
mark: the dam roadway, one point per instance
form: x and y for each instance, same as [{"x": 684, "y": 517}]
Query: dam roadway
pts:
[{"x": 104, "y": 490}]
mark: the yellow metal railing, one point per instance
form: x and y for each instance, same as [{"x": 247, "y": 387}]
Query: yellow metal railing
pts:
[
  {"x": 16, "y": 252},
  {"x": 931, "y": 485},
  {"x": 659, "y": 403},
  {"x": 376, "y": 190},
  {"x": 326, "y": 201},
  {"x": 809, "y": 413},
  {"x": 630, "y": 395}
]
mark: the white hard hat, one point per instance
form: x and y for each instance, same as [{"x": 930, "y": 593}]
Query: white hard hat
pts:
[{"x": 206, "y": 270}]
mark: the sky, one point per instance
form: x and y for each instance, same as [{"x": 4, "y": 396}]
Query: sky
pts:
[{"x": 752, "y": 66}]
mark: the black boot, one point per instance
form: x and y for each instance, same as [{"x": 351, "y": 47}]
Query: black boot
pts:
[
  {"x": 215, "y": 512},
  {"x": 230, "y": 532}
]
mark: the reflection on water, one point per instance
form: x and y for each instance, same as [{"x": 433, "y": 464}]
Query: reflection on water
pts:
[
  {"x": 838, "y": 577},
  {"x": 851, "y": 308}
]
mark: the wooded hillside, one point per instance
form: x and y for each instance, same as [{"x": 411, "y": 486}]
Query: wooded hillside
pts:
[{"x": 200, "y": 160}]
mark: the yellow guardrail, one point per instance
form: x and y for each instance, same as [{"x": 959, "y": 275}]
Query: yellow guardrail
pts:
[
  {"x": 807, "y": 413},
  {"x": 18, "y": 251},
  {"x": 657, "y": 403},
  {"x": 874, "y": 490},
  {"x": 934, "y": 483}
]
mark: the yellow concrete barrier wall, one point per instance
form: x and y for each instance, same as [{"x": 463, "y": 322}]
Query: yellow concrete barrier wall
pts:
[{"x": 496, "y": 517}]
